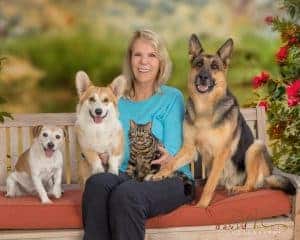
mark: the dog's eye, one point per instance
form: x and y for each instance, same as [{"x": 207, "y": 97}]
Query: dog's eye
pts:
[
  {"x": 57, "y": 136},
  {"x": 92, "y": 99},
  {"x": 105, "y": 100},
  {"x": 200, "y": 63},
  {"x": 214, "y": 66},
  {"x": 45, "y": 134}
]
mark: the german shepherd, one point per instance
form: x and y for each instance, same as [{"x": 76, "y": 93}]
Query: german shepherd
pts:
[{"x": 215, "y": 128}]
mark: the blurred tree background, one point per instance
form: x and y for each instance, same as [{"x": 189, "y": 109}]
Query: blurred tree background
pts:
[{"x": 46, "y": 41}]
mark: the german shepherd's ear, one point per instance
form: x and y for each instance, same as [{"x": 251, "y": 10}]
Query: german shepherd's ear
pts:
[
  {"x": 118, "y": 86},
  {"x": 195, "y": 47},
  {"x": 82, "y": 82},
  {"x": 225, "y": 51},
  {"x": 36, "y": 130}
]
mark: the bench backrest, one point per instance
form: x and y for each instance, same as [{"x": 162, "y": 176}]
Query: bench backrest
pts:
[{"x": 16, "y": 137}]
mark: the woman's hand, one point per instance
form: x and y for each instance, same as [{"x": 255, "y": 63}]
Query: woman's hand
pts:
[{"x": 164, "y": 158}]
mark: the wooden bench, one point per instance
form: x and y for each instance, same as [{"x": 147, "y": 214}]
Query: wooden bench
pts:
[{"x": 15, "y": 137}]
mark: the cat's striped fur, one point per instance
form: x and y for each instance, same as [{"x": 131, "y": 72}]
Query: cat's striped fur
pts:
[{"x": 143, "y": 150}]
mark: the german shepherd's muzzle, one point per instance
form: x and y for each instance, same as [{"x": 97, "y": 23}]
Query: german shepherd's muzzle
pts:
[{"x": 215, "y": 128}]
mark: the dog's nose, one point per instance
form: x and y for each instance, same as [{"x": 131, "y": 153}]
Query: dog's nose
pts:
[
  {"x": 50, "y": 145},
  {"x": 98, "y": 111},
  {"x": 204, "y": 76}
]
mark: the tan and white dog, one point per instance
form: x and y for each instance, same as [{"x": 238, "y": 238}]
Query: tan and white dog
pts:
[
  {"x": 98, "y": 129},
  {"x": 39, "y": 169}
]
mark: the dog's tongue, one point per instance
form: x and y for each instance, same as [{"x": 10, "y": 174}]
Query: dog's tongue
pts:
[
  {"x": 202, "y": 88},
  {"x": 98, "y": 119},
  {"x": 49, "y": 152}
]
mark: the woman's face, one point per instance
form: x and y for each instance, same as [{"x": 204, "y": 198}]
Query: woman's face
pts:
[{"x": 144, "y": 61}]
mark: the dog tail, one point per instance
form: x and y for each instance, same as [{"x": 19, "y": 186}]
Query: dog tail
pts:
[
  {"x": 275, "y": 181},
  {"x": 280, "y": 182}
]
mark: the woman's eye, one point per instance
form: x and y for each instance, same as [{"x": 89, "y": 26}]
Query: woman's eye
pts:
[
  {"x": 92, "y": 99},
  {"x": 152, "y": 55},
  {"x": 136, "y": 54},
  {"x": 45, "y": 134},
  {"x": 57, "y": 136}
]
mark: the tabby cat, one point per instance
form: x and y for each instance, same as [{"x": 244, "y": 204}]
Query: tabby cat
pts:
[{"x": 143, "y": 150}]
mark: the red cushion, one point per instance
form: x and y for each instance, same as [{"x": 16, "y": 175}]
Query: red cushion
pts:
[
  {"x": 29, "y": 213},
  {"x": 227, "y": 209}
]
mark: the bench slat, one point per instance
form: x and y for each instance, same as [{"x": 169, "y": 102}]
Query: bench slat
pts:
[
  {"x": 26, "y": 139},
  {"x": 29, "y": 120},
  {"x": 3, "y": 166},
  {"x": 261, "y": 128},
  {"x": 14, "y": 146},
  {"x": 73, "y": 153}
]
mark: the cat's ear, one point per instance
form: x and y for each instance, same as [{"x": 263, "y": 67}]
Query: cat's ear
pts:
[
  {"x": 132, "y": 124},
  {"x": 148, "y": 126}
]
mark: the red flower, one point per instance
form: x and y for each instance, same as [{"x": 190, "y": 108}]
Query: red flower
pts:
[
  {"x": 264, "y": 104},
  {"x": 282, "y": 54},
  {"x": 269, "y": 20},
  {"x": 293, "y": 40},
  {"x": 261, "y": 79},
  {"x": 293, "y": 93}
]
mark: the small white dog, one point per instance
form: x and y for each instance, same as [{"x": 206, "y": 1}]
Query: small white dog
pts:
[
  {"x": 39, "y": 168},
  {"x": 98, "y": 129}
]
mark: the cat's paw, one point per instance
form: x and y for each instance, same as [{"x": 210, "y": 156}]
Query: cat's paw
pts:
[
  {"x": 162, "y": 174},
  {"x": 148, "y": 177}
]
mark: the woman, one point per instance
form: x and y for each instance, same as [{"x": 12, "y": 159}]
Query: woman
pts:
[{"x": 116, "y": 207}]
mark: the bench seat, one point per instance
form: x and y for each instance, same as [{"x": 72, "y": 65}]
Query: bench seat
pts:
[{"x": 28, "y": 213}]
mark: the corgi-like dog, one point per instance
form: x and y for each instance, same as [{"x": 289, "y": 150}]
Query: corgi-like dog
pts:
[
  {"x": 98, "y": 129},
  {"x": 39, "y": 169}
]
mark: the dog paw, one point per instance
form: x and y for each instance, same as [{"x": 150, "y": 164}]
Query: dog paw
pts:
[
  {"x": 9, "y": 195},
  {"x": 202, "y": 204},
  {"x": 46, "y": 201},
  {"x": 240, "y": 189},
  {"x": 57, "y": 194}
]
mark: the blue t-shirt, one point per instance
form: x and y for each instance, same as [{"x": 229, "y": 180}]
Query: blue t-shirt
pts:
[{"x": 165, "y": 110}]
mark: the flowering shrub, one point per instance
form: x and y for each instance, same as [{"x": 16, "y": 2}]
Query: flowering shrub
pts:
[{"x": 281, "y": 96}]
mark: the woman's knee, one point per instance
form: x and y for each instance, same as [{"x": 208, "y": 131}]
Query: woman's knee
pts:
[
  {"x": 100, "y": 183},
  {"x": 124, "y": 197}
]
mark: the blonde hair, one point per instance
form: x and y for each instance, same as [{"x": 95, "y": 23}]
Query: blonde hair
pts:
[{"x": 165, "y": 64}]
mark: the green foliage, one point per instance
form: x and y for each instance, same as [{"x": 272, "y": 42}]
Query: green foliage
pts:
[
  {"x": 3, "y": 100},
  {"x": 282, "y": 94},
  {"x": 292, "y": 7},
  {"x": 291, "y": 69},
  {"x": 60, "y": 57}
]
